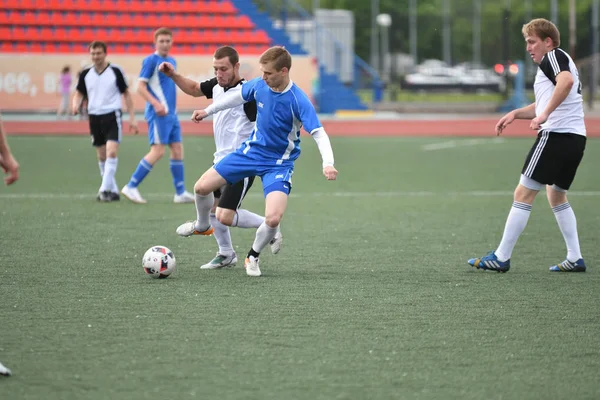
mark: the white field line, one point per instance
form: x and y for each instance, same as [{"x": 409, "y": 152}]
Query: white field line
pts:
[
  {"x": 478, "y": 193},
  {"x": 451, "y": 144}
]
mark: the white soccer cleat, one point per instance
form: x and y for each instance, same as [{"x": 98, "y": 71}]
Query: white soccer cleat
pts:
[
  {"x": 133, "y": 194},
  {"x": 189, "y": 228},
  {"x": 251, "y": 265},
  {"x": 183, "y": 198},
  {"x": 221, "y": 261},
  {"x": 4, "y": 371},
  {"x": 276, "y": 242}
]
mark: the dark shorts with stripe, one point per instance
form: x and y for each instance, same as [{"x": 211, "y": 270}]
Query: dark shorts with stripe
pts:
[
  {"x": 105, "y": 127},
  {"x": 554, "y": 158},
  {"x": 231, "y": 196}
]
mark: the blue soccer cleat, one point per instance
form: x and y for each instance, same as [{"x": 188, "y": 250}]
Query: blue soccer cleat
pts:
[
  {"x": 490, "y": 262},
  {"x": 568, "y": 266}
]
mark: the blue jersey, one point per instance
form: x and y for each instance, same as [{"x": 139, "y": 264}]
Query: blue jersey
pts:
[
  {"x": 159, "y": 85},
  {"x": 279, "y": 118}
]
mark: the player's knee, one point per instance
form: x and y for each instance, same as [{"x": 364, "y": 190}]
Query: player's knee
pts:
[
  {"x": 225, "y": 216},
  {"x": 157, "y": 152},
  {"x": 201, "y": 189},
  {"x": 273, "y": 220}
]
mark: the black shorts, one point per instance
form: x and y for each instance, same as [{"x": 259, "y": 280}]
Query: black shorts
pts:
[
  {"x": 231, "y": 196},
  {"x": 554, "y": 158},
  {"x": 105, "y": 127}
]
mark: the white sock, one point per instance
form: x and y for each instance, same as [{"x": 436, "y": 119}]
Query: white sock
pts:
[
  {"x": 247, "y": 219},
  {"x": 568, "y": 226},
  {"x": 113, "y": 186},
  {"x": 515, "y": 224},
  {"x": 203, "y": 206},
  {"x": 101, "y": 166},
  {"x": 264, "y": 234},
  {"x": 108, "y": 177},
  {"x": 222, "y": 236}
]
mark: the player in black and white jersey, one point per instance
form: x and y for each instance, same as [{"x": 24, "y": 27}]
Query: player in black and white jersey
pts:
[
  {"x": 102, "y": 84},
  {"x": 557, "y": 115},
  {"x": 231, "y": 128}
]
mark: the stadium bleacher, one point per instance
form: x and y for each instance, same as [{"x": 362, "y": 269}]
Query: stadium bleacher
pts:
[{"x": 68, "y": 26}]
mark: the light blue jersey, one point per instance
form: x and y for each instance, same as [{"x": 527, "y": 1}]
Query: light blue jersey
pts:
[
  {"x": 159, "y": 85},
  {"x": 280, "y": 116}
]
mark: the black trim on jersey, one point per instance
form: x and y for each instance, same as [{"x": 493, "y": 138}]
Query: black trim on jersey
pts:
[
  {"x": 121, "y": 83},
  {"x": 553, "y": 63},
  {"x": 206, "y": 87},
  {"x": 81, "y": 87},
  {"x": 250, "y": 110}
]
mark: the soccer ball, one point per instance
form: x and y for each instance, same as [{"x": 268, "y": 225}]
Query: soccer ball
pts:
[{"x": 158, "y": 262}]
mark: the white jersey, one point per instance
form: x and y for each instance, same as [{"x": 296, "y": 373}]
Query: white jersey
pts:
[
  {"x": 568, "y": 116},
  {"x": 103, "y": 89},
  {"x": 231, "y": 127}
]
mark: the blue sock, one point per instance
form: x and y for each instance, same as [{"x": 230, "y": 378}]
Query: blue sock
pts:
[
  {"x": 140, "y": 173},
  {"x": 177, "y": 172}
]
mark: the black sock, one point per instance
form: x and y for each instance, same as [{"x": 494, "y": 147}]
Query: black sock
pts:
[{"x": 253, "y": 253}]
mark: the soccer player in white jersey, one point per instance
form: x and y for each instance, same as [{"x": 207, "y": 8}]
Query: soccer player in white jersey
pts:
[
  {"x": 231, "y": 128},
  {"x": 282, "y": 110},
  {"x": 102, "y": 84},
  {"x": 557, "y": 115},
  {"x": 163, "y": 124}
]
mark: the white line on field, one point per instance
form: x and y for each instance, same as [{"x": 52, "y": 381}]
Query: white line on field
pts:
[
  {"x": 478, "y": 193},
  {"x": 451, "y": 144}
]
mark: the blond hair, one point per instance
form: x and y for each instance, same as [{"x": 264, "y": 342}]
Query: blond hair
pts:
[
  {"x": 279, "y": 56},
  {"x": 543, "y": 29}
]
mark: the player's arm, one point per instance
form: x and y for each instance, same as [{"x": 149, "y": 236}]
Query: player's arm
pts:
[
  {"x": 556, "y": 67},
  {"x": 228, "y": 100},
  {"x": 148, "y": 69},
  {"x": 564, "y": 83},
  {"x": 80, "y": 93},
  {"x": 143, "y": 91},
  {"x": 527, "y": 112},
  {"x": 9, "y": 164},
  {"x": 307, "y": 114},
  {"x": 187, "y": 85}
]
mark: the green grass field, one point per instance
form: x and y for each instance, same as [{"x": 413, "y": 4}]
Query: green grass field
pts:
[{"x": 370, "y": 297}]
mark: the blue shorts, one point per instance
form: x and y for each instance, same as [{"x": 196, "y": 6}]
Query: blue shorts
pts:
[
  {"x": 164, "y": 130},
  {"x": 275, "y": 177}
]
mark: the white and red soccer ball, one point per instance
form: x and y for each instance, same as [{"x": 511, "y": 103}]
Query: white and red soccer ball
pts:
[{"x": 158, "y": 262}]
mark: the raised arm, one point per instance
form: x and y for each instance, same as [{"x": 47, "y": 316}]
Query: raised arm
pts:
[
  {"x": 188, "y": 86},
  {"x": 228, "y": 100}
]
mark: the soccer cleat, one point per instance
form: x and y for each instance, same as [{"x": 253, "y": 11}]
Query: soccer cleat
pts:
[
  {"x": 568, "y": 266},
  {"x": 276, "y": 242},
  {"x": 251, "y": 265},
  {"x": 133, "y": 194},
  {"x": 183, "y": 198},
  {"x": 4, "y": 371},
  {"x": 114, "y": 196},
  {"x": 490, "y": 262},
  {"x": 189, "y": 228},
  {"x": 221, "y": 261}
]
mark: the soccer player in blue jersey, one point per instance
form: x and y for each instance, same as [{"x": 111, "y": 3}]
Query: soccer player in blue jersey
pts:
[
  {"x": 282, "y": 110},
  {"x": 163, "y": 125}
]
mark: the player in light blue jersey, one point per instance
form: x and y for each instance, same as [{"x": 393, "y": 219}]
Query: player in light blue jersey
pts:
[
  {"x": 160, "y": 94},
  {"x": 282, "y": 110}
]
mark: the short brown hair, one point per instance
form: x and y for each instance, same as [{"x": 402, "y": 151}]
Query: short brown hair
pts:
[
  {"x": 97, "y": 44},
  {"x": 229, "y": 52},
  {"x": 543, "y": 29},
  {"x": 162, "y": 31},
  {"x": 279, "y": 56}
]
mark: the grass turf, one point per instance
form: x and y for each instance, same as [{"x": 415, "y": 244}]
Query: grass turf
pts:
[{"x": 370, "y": 297}]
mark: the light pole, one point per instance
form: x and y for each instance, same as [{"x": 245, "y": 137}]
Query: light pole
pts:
[
  {"x": 447, "y": 40},
  {"x": 412, "y": 28},
  {"x": 374, "y": 35},
  {"x": 477, "y": 31},
  {"x": 384, "y": 21}
]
